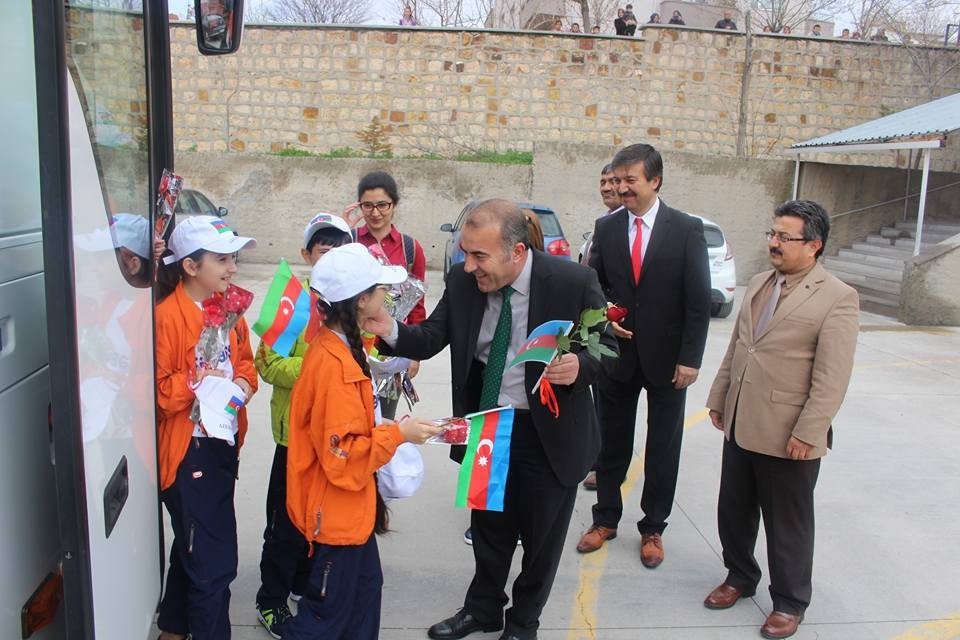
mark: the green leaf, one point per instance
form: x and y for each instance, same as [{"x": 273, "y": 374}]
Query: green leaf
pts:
[
  {"x": 606, "y": 351},
  {"x": 592, "y": 317},
  {"x": 593, "y": 340},
  {"x": 583, "y": 333},
  {"x": 563, "y": 343}
]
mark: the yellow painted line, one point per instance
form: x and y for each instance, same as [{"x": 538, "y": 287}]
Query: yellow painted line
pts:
[
  {"x": 898, "y": 328},
  {"x": 947, "y": 629},
  {"x": 583, "y": 614}
]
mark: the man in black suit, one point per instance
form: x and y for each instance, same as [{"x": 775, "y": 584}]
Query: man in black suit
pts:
[
  {"x": 504, "y": 285},
  {"x": 651, "y": 259}
]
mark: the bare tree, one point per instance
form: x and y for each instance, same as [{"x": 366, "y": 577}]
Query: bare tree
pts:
[
  {"x": 868, "y": 15},
  {"x": 319, "y": 11},
  {"x": 918, "y": 24},
  {"x": 778, "y": 14}
]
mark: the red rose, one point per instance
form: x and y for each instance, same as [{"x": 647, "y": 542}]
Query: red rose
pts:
[
  {"x": 214, "y": 312},
  {"x": 616, "y": 313},
  {"x": 237, "y": 300}
]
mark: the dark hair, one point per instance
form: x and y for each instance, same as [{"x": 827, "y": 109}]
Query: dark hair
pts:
[
  {"x": 534, "y": 230},
  {"x": 637, "y": 153},
  {"x": 170, "y": 275},
  {"x": 344, "y": 314},
  {"x": 816, "y": 221},
  {"x": 504, "y": 213},
  {"x": 607, "y": 168},
  {"x": 379, "y": 180},
  {"x": 328, "y": 237}
]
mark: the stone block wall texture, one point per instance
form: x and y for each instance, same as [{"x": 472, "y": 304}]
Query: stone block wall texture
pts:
[
  {"x": 447, "y": 91},
  {"x": 930, "y": 287}
]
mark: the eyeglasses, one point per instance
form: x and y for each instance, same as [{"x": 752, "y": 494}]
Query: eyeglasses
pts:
[
  {"x": 382, "y": 206},
  {"x": 782, "y": 237}
]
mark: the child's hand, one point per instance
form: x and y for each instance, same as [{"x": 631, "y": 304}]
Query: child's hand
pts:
[
  {"x": 414, "y": 369},
  {"x": 417, "y": 430},
  {"x": 204, "y": 372},
  {"x": 247, "y": 391},
  {"x": 159, "y": 246}
]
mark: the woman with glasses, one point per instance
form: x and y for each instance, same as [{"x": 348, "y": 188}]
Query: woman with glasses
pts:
[{"x": 377, "y": 200}]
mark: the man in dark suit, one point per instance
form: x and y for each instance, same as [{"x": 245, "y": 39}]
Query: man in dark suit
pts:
[
  {"x": 651, "y": 259},
  {"x": 491, "y": 302}
]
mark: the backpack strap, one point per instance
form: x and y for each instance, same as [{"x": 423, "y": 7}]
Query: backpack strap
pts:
[{"x": 409, "y": 250}]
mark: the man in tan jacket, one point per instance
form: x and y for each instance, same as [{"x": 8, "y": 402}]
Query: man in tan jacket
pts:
[{"x": 780, "y": 385}]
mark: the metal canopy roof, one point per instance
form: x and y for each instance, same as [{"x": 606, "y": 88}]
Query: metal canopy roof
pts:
[{"x": 933, "y": 119}]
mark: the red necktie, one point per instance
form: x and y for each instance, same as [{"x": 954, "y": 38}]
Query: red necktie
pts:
[{"x": 636, "y": 257}]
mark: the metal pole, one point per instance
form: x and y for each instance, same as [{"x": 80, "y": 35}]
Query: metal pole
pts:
[
  {"x": 923, "y": 200},
  {"x": 906, "y": 195},
  {"x": 796, "y": 178}
]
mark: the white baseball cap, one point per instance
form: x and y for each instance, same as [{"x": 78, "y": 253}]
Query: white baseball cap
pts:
[
  {"x": 323, "y": 221},
  {"x": 204, "y": 232},
  {"x": 345, "y": 271},
  {"x": 133, "y": 232}
]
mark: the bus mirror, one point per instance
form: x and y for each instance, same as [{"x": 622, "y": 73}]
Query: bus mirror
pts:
[{"x": 219, "y": 25}]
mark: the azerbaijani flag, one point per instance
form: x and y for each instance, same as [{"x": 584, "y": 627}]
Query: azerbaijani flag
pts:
[
  {"x": 483, "y": 472},
  {"x": 285, "y": 311},
  {"x": 221, "y": 226},
  {"x": 233, "y": 406},
  {"x": 541, "y": 344}
]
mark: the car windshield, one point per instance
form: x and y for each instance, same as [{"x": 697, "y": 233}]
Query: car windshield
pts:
[{"x": 713, "y": 236}]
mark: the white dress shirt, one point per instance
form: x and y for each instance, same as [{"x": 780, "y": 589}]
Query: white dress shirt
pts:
[
  {"x": 647, "y": 219},
  {"x": 512, "y": 390}
]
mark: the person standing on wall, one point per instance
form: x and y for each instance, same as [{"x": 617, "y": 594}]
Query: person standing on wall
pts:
[{"x": 651, "y": 259}]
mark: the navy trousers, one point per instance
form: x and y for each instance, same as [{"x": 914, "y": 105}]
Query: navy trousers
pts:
[
  {"x": 342, "y": 598},
  {"x": 203, "y": 560},
  {"x": 284, "y": 562}
]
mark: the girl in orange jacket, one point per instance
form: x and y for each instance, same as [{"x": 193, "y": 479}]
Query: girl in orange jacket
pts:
[
  {"x": 197, "y": 472},
  {"x": 336, "y": 445}
]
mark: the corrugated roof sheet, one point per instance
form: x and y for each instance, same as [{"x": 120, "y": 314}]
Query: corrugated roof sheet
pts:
[{"x": 933, "y": 118}]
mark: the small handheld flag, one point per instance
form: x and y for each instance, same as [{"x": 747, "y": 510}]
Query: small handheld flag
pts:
[
  {"x": 541, "y": 344},
  {"x": 285, "y": 311},
  {"x": 483, "y": 472}
]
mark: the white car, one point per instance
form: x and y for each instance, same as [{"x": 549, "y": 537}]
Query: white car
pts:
[{"x": 723, "y": 271}]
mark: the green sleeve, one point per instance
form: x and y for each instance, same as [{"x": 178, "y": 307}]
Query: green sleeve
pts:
[{"x": 278, "y": 370}]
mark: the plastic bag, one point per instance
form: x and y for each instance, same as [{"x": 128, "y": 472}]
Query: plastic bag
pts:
[{"x": 401, "y": 477}]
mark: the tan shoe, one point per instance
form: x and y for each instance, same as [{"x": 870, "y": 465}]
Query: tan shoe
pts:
[
  {"x": 594, "y": 538},
  {"x": 590, "y": 482},
  {"x": 780, "y": 625},
  {"x": 724, "y": 597},
  {"x": 651, "y": 550}
]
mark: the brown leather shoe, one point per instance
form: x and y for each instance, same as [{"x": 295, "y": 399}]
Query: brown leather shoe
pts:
[
  {"x": 594, "y": 538},
  {"x": 724, "y": 597},
  {"x": 651, "y": 550},
  {"x": 780, "y": 625},
  {"x": 590, "y": 482}
]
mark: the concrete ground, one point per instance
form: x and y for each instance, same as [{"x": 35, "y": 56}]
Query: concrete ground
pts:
[{"x": 888, "y": 550}]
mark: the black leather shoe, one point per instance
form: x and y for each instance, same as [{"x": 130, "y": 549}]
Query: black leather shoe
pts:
[
  {"x": 460, "y": 625},
  {"x": 513, "y": 636}
]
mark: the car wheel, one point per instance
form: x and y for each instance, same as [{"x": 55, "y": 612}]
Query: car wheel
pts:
[{"x": 721, "y": 309}]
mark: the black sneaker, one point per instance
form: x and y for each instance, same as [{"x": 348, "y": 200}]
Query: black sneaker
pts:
[
  {"x": 273, "y": 619},
  {"x": 468, "y": 536}
]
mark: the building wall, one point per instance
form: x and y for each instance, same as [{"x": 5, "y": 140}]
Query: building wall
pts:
[{"x": 445, "y": 91}]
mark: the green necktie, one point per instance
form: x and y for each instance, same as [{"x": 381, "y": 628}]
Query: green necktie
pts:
[{"x": 497, "y": 360}]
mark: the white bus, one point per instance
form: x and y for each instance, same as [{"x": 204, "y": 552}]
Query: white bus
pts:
[{"x": 86, "y": 130}]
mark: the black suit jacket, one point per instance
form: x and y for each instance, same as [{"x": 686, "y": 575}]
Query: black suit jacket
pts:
[
  {"x": 669, "y": 310},
  {"x": 559, "y": 290}
]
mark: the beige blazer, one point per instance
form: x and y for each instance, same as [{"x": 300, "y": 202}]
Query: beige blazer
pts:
[{"x": 791, "y": 379}]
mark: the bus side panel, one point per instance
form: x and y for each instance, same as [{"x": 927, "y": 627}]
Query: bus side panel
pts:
[{"x": 29, "y": 539}]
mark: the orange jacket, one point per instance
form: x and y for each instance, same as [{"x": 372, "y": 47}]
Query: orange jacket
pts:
[
  {"x": 179, "y": 322},
  {"x": 334, "y": 447}
]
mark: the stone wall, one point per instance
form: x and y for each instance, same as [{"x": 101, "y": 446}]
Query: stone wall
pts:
[
  {"x": 930, "y": 287},
  {"x": 446, "y": 91}
]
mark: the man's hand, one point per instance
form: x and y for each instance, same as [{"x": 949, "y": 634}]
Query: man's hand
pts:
[
  {"x": 798, "y": 449},
  {"x": 683, "y": 376},
  {"x": 717, "y": 419},
  {"x": 380, "y": 324},
  {"x": 563, "y": 371},
  {"x": 414, "y": 369},
  {"x": 620, "y": 332}
]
